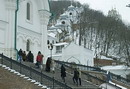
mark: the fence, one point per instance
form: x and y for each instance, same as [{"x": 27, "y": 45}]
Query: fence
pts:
[
  {"x": 39, "y": 76},
  {"x": 81, "y": 67},
  {"x": 89, "y": 68}
]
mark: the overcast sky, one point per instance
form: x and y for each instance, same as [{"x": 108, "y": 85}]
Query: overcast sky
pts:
[{"x": 106, "y": 5}]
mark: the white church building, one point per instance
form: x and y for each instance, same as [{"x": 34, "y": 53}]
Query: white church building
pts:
[
  {"x": 23, "y": 25},
  {"x": 66, "y": 46}
]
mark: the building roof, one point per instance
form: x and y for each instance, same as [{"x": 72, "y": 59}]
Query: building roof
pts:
[
  {"x": 52, "y": 35},
  {"x": 71, "y": 7},
  {"x": 52, "y": 27},
  {"x": 64, "y": 16},
  {"x": 116, "y": 67},
  {"x": 60, "y": 44}
]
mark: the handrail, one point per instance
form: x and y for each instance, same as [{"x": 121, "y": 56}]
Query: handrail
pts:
[
  {"x": 21, "y": 67},
  {"x": 84, "y": 67},
  {"x": 66, "y": 65}
]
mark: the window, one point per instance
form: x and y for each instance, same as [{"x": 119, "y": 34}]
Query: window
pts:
[
  {"x": 28, "y": 11},
  {"x": 70, "y": 13},
  {"x": 28, "y": 45},
  {"x": 59, "y": 49},
  {"x": 48, "y": 42},
  {"x": 53, "y": 41},
  {"x": 63, "y": 22}
]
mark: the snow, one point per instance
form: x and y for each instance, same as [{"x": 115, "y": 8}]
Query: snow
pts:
[
  {"x": 59, "y": 44},
  {"x": 121, "y": 70},
  {"x": 59, "y": 30},
  {"x": 118, "y": 85},
  {"x": 77, "y": 54},
  {"x": 113, "y": 86},
  {"x": 106, "y": 58},
  {"x": 52, "y": 35},
  {"x": 116, "y": 67},
  {"x": 53, "y": 27},
  {"x": 57, "y": 55}
]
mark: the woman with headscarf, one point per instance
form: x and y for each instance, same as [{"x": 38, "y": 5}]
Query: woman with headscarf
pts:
[{"x": 63, "y": 73}]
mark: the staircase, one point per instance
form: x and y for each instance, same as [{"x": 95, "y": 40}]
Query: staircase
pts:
[
  {"x": 51, "y": 80},
  {"x": 91, "y": 72}
]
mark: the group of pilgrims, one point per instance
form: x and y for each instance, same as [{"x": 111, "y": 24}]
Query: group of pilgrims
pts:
[{"x": 50, "y": 65}]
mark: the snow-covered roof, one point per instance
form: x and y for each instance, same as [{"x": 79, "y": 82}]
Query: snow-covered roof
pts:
[
  {"x": 59, "y": 25},
  {"x": 59, "y": 30},
  {"x": 52, "y": 27},
  {"x": 106, "y": 58},
  {"x": 52, "y": 35},
  {"x": 109, "y": 86},
  {"x": 57, "y": 55},
  {"x": 59, "y": 44},
  {"x": 117, "y": 67},
  {"x": 71, "y": 7},
  {"x": 64, "y": 16}
]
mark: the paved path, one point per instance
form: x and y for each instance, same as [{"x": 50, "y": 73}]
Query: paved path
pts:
[{"x": 69, "y": 82}]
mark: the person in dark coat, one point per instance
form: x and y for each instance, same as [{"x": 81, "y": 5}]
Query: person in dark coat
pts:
[
  {"x": 48, "y": 64},
  {"x": 63, "y": 73},
  {"x": 30, "y": 57},
  {"x": 79, "y": 76},
  {"x": 24, "y": 56},
  {"x": 76, "y": 76}
]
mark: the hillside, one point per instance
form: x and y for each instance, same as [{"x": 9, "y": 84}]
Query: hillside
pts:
[{"x": 106, "y": 35}]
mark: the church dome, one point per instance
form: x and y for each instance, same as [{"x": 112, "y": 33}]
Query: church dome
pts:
[{"x": 71, "y": 8}]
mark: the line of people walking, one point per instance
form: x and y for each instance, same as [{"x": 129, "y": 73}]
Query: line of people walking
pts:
[
  {"x": 50, "y": 65},
  {"x": 22, "y": 56},
  {"x": 76, "y": 75}
]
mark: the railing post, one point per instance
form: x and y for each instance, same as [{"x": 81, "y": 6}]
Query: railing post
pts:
[
  {"x": 41, "y": 76},
  {"x": 30, "y": 72},
  {"x": 11, "y": 63},
  {"x": 2, "y": 59},
  {"x": 65, "y": 86},
  {"x": 53, "y": 80},
  {"x": 20, "y": 66}
]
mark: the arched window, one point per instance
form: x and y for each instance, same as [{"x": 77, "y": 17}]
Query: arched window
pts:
[
  {"x": 29, "y": 11},
  {"x": 28, "y": 45}
]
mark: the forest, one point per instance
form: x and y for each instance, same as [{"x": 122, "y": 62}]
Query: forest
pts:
[{"x": 107, "y": 35}]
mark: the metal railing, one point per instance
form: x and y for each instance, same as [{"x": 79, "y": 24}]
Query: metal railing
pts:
[
  {"x": 81, "y": 67},
  {"x": 89, "y": 68},
  {"x": 32, "y": 73}
]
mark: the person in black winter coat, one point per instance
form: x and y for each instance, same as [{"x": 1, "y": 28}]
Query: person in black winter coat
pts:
[
  {"x": 48, "y": 64},
  {"x": 30, "y": 57},
  {"x": 76, "y": 76},
  {"x": 63, "y": 73}
]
